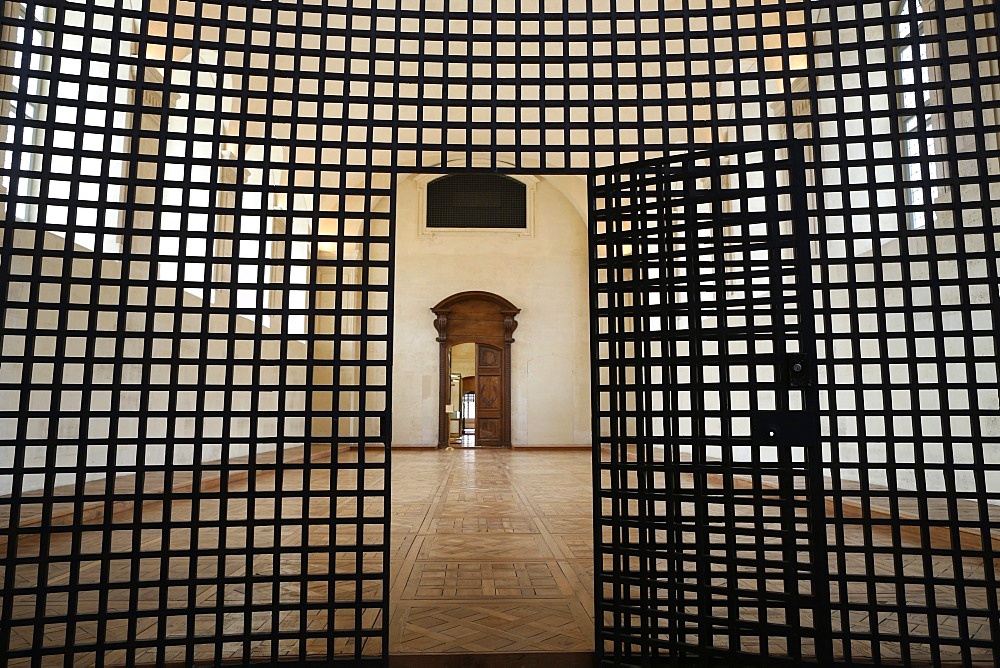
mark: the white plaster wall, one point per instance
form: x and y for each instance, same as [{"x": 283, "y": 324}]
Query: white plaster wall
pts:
[
  {"x": 104, "y": 330},
  {"x": 969, "y": 420},
  {"x": 545, "y": 276}
]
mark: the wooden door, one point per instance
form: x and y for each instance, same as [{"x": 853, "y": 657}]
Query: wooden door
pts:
[
  {"x": 488, "y": 321},
  {"x": 490, "y": 394}
]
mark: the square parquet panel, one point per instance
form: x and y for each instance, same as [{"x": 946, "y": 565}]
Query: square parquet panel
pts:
[
  {"x": 484, "y": 546},
  {"x": 500, "y": 524},
  {"x": 503, "y": 560},
  {"x": 485, "y": 579},
  {"x": 517, "y": 626}
]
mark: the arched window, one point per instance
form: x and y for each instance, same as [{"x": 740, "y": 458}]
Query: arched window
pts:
[{"x": 476, "y": 201}]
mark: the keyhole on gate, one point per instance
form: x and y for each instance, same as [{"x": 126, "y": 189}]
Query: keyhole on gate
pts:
[{"x": 797, "y": 371}]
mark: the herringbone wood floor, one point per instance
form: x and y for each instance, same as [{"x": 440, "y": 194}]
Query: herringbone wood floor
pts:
[{"x": 495, "y": 552}]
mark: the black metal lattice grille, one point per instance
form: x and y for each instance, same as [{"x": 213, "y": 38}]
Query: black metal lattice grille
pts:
[
  {"x": 198, "y": 203},
  {"x": 195, "y": 352}
]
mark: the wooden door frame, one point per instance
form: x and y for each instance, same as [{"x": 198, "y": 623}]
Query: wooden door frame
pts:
[{"x": 495, "y": 327}]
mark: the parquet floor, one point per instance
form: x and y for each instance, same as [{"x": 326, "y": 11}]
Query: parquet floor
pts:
[{"x": 493, "y": 552}]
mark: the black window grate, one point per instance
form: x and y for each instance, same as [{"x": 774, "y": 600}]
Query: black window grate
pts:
[{"x": 477, "y": 201}]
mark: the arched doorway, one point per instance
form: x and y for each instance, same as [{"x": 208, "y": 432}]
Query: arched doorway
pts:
[{"x": 487, "y": 321}]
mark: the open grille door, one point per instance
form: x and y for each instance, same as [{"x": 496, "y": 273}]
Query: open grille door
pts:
[{"x": 708, "y": 473}]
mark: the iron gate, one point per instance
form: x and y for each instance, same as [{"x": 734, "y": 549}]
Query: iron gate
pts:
[
  {"x": 736, "y": 519},
  {"x": 709, "y": 469}
]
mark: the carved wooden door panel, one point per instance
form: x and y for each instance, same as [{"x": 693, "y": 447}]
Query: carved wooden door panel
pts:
[{"x": 489, "y": 395}]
